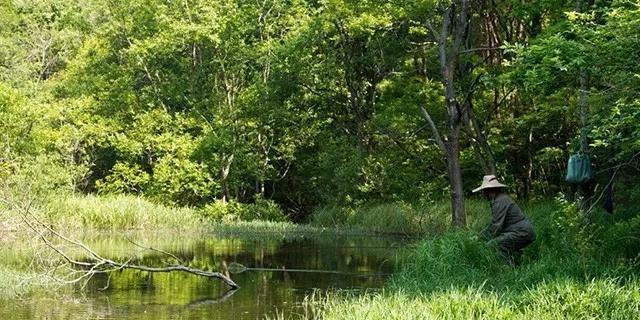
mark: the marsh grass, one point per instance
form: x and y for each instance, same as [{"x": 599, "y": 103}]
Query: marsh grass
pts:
[
  {"x": 428, "y": 219},
  {"x": 116, "y": 213},
  {"x": 581, "y": 267},
  {"x": 597, "y": 299}
]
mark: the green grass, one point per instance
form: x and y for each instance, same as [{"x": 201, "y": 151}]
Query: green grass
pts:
[
  {"x": 598, "y": 299},
  {"x": 579, "y": 268},
  {"x": 116, "y": 213},
  {"x": 399, "y": 217}
]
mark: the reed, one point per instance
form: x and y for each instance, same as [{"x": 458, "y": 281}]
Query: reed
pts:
[{"x": 119, "y": 212}]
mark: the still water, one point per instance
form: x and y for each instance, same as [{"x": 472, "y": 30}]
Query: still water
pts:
[{"x": 139, "y": 295}]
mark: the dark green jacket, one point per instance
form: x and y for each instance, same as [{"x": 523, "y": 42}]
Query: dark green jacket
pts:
[{"x": 506, "y": 216}]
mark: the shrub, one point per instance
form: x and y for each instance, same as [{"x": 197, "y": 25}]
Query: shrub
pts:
[{"x": 232, "y": 211}]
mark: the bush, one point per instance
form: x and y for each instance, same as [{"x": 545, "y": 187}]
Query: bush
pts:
[
  {"x": 622, "y": 240},
  {"x": 232, "y": 211}
]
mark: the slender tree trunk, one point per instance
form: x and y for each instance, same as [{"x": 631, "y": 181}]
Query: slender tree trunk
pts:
[
  {"x": 453, "y": 151},
  {"x": 455, "y": 176},
  {"x": 224, "y": 175},
  {"x": 448, "y": 56},
  {"x": 583, "y": 191}
]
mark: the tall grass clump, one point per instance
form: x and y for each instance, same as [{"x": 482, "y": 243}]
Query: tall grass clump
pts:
[
  {"x": 455, "y": 259},
  {"x": 427, "y": 219},
  {"x": 119, "y": 212},
  {"x": 397, "y": 217},
  {"x": 330, "y": 215}
]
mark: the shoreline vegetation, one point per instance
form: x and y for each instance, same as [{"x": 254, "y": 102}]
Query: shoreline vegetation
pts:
[
  {"x": 579, "y": 267},
  {"x": 304, "y": 118}
]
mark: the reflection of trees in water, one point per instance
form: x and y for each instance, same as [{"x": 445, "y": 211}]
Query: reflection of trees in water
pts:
[
  {"x": 347, "y": 254},
  {"x": 156, "y": 295}
]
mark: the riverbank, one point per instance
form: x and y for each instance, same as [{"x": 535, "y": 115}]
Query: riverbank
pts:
[
  {"x": 119, "y": 222},
  {"x": 579, "y": 268}
]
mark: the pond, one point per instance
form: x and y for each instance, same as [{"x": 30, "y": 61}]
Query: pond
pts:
[{"x": 363, "y": 263}]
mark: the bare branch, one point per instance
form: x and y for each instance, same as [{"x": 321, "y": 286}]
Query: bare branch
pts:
[
  {"x": 480, "y": 49},
  {"x": 99, "y": 263},
  {"x": 434, "y": 129},
  {"x": 156, "y": 250}
]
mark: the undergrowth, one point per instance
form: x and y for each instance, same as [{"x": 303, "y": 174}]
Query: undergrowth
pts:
[
  {"x": 581, "y": 267},
  {"x": 115, "y": 213},
  {"x": 428, "y": 219}
]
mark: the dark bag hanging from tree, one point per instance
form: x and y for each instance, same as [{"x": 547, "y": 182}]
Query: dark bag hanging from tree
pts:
[{"x": 579, "y": 169}]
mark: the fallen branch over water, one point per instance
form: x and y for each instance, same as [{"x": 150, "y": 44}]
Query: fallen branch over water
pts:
[
  {"x": 95, "y": 263},
  {"x": 235, "y": 267}
]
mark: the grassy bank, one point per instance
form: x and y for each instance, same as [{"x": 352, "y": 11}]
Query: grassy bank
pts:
[
  {"x": 124, "y": 212},
  {"x": 115, "y": 213},
  {"x": 597, "y": 299},
  {"x": 579, "y": 268},
  {"x": 400, "y": 217}
]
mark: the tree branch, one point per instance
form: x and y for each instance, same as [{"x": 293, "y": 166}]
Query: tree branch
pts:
[
  {"x": 434, "y": 129},
  {"x": 100, "y": 264}
]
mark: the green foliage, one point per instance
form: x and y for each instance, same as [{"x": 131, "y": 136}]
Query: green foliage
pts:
[
  {"x": 432, "y": 265},
  {"x": 116, "y": 213},
  {"x": 261, "y": 209},
  {"x": 124, "y": 179},
  {"x": 309, "y": 104},
  {"x": 554, "y": 300},
  {"x": 622, "y": 240}
]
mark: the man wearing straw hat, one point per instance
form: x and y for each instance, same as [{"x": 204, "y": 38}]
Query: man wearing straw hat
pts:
[{"x": 510, "y": 231}]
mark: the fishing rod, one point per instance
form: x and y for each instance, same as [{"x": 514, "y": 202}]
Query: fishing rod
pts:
[{"x": 237, "y": 268}]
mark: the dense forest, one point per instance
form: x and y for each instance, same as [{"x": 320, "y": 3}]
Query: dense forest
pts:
[
  {"x": 314, "y": 103},
  {"x": 325, "y": 150}
]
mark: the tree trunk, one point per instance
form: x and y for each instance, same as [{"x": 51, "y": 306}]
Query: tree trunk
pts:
[
  {"x": 455, "y": 176},
  {"x": 583, "y": 191},
  {"x": 453, "y": 151},
  {"x": 224, "y": 175},
  {"x": 448, "y": 56}
]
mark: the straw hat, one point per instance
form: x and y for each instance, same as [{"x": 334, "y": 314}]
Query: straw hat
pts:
[{"x": 489, "y": 181}]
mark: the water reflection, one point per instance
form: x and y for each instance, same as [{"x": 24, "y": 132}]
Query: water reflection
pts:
[{"x": 139, "y": 295}]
